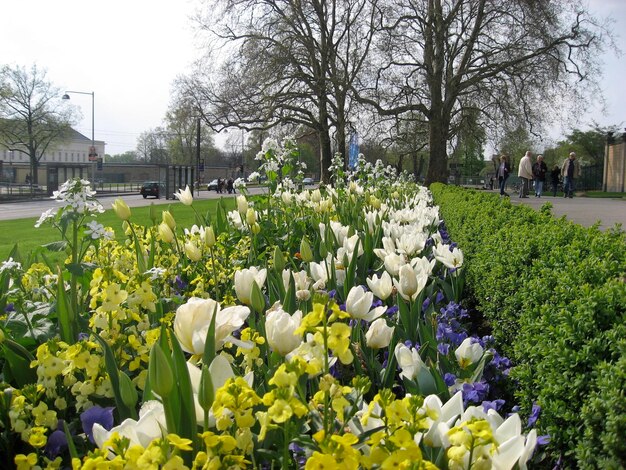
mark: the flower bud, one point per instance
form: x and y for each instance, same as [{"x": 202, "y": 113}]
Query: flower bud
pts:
[
  {"x": 256, "y": 228},
  {"x": 128, "y": 391},
  {"x": 257, "y": 299},
  {"x": 209, "y": 237},
  {"x": 206, "y": 393},
  {"x": 305, "y": 250},
  {"x": 279, "y": 261},
  {"x": 251, "y": 216},
  {"x": 121, "y": 209},
  {"x": 168, "y": 218},
  {"x": 165, "y": 233},
  {"x": 160, "y": 372},
  {"x": 242, "y": 205}
]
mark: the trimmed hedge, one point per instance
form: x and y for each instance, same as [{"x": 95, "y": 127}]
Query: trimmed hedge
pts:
[{"x": 554, "y": 295}]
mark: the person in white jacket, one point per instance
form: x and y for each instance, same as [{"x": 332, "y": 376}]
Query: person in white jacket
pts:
[{"x": 525, "y": 172}]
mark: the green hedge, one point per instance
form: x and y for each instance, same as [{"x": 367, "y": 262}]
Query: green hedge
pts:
[{"x": 554, "y": 295}]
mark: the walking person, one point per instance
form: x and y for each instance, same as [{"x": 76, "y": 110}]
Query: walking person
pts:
[
  {"x": 570, "y": 171},
  {"x": 504, "y": 169},
  {"x": 525, "y": 172},
  {"x": 555, "y": 176},
  {"x": 540, "y": 169}
]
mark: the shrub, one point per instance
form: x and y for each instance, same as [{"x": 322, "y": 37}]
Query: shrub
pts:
[{"x": 554, "y": 295}]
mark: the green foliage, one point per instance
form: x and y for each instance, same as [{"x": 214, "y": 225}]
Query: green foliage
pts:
[{"x": 554, "y": 294}]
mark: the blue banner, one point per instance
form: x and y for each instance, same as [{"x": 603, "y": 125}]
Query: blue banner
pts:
[{"x": 353, "y": 151}]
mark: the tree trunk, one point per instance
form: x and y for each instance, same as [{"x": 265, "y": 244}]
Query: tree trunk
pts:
[
  {"x": 326, "y": 155},
  {"x": 438, "y": 160}
]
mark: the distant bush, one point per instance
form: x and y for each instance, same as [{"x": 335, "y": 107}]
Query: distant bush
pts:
[{"x": 554, "y": 294}]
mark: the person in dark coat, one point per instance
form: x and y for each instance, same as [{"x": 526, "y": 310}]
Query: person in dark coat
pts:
[
  {"x": 503, "y": 174},
  {"x": 540, "y": 169},
  {"x": 229, "y": 186},
  {"x": 555, "y": 176}
]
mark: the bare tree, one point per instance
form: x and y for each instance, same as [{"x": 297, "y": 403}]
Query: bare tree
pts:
[
  {"x": 510, "y": 60},
  {"x": 289, "y": 62},
  {"x": 32, "y": 116}
]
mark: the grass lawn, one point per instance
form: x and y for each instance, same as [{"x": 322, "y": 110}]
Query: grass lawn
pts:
[
  {"x": 28, "y": 238},
  {"x": 603, "y": 194}
]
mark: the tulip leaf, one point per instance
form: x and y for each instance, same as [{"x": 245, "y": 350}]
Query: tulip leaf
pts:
[
  {"x": 70, "y": 441},
  {"x": 351, "y": 271},
  {"x": 111, "y": 367},
  {"x": 290, "y": 304},
  {"x": 426, "y": 381},
  {"x": 209, "y": 343},
  {"x": 65, "y": 315},
  {"x": 18, "y": 360},
  {"x": 187, "y": 426}
]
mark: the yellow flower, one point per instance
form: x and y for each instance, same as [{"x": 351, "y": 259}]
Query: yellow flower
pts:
[
  {"x": 319, "y": 461},
  {"x": 38, "y": 437},
  {"x": 280, "y": 411},
  {"x": 179, "y": 442},
  {"x": 25, "y": 462}
]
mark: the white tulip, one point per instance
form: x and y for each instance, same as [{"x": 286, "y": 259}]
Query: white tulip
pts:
[
  {"x": 193, "y": 319},
  {"x": 192, "y": 251},
  {"x": 220, "y": 371},
  {"x": 319, "y": 275},
  {"x": 393, "y": 262},
  {"x": 149, "y": 427},
  {"x": 410, "y": 285},
  {"x": 185, "y": 196},
  {"x": 409, "y": 361},
  {"x": 468, "y": 353},
  {"x": 359, "y": 305},
  {"x": 243, "y": 282},
  {"x": 381, "y": 286},
  {"x": 450, "y": 259},
  {"x": 379, "y": 334},
  {"x": 280, "y": 329}
]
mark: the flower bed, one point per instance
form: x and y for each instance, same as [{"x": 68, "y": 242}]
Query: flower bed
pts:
[
  {"x": 555, "y": 296},
  {"x": 309, "y": 329}
]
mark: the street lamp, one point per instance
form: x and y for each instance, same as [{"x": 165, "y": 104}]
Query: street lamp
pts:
[{"x": 92, "y": 150}]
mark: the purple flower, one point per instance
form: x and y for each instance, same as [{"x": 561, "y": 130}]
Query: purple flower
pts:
[
  {"x": 474, "y": 392},
  {"x": 492, "y": 405},
  {"x": 440, "y": 297},
  {"x": 9, "y": 307},
  {"x": 96, "y": 414},
  {"x": 57, "y": 442},
  {"x": 449, "y": 379},
  {"x": 332, "y": 293},
  {"x": 543, "y": 440},
  {"x": 83, "y": 336},
  {"x": 534, "y": 415},
  {"x": 426, "y": 304},
  {"x": 342, "y": 307},
  {"x": 443, "y": 348},
  {"x": 391, "y": 311}
]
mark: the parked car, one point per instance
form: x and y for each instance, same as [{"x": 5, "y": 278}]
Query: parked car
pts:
[
  {"x": 212, "y": 186},
  {"x": 308, "y": 181},
  {"x": 152, "y": 188}
]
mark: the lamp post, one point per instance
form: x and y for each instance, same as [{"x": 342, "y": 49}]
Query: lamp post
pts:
[{"x": 92, "y": 150}]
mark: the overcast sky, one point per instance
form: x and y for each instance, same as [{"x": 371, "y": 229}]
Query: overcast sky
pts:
[{"x": 129, "y": 53}]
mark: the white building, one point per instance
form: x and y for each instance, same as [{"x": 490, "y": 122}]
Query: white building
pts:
[{"x": 71, "y": 154}]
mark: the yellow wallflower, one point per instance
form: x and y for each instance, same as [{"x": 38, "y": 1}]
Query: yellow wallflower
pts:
[{"x": 179, "y": 442}]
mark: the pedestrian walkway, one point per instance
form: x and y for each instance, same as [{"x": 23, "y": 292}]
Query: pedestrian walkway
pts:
[{"x": 585, "y": 211}]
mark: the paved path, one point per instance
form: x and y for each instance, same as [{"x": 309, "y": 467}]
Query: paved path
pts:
[
  {"x": 585, "y": 211},
  {"x": 581, "y": 210}
]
